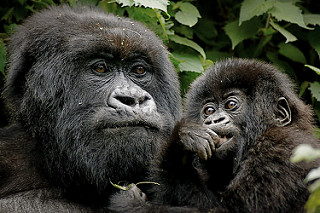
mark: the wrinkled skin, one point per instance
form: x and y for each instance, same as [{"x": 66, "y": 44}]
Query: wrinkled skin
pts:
[
  {"x": 93, "y": 97},
  {"x": 231, "y": 151}
]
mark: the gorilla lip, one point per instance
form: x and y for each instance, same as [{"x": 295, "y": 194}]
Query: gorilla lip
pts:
[
  {"x": 143, "y": 124},
  {"x": 223, "y": 139}
]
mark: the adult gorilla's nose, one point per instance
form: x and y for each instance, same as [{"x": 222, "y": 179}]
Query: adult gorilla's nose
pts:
[{"x": 131, "y": 97}]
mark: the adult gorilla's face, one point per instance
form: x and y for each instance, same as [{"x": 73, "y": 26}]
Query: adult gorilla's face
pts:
[{"x": 100, "y": 94}]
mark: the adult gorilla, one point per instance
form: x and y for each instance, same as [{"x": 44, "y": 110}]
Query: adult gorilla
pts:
[{"x": 92, "y": 98}]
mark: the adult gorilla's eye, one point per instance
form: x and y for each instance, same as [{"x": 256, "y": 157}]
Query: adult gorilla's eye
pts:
[
  {"x": 231, "y": 104},
  {"x": 100, "y": 67},
  {"x": 139, "y": 70}
]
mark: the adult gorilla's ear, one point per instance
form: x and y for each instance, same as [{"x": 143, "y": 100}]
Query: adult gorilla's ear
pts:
[{"x": 283, "y": 113}]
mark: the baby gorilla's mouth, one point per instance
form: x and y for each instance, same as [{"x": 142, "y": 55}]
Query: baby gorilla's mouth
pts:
[{"x": 223, "y": 139}]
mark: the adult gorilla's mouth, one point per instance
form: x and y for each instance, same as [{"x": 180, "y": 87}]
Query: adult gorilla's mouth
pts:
[{"x": 132, "y": 124}]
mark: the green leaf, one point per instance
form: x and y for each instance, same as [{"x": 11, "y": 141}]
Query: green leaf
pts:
[
  {"x": 154, "y": 4},
  {"x": 304, "y": 152},
  {"x": 72, "y": 2},
  {"x": 313, "y": 203},
  {"x": 239, "y": 33},
  {"x": 281, "y": 64},
  {"x": 313, "y": 19},
  {"x": 303, "y": 88},
  {"x": 22, "y": 2},
  {"x": 317, "y": 70},
  {"x": 9, "y": 28},
  {"x": 20, "y": 13},
  {"x": 292, "y": 52},
  {"x": 184, "y": 41},
  {"x": 313, "y": 175},
  {"x": 206, "y": 31},
  {"x": 251, "y": 8},
  {"x": 125, "y": 3},
  {"x": 287, "y": 11},
  {"x": 186, "y": 78},
  {"x": 315, "y": 90},
  {"x": 314, "y": 40},
  {"x": 284, "y": 32},
  {"x": 188, "y": 14},
  {"x": 216, "y": 55},
  {"x": 2, "y": 57},
  {"x": 188, "y": 62}
]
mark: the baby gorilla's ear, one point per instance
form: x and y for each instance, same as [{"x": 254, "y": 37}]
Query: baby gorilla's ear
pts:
[{"x": 282, "y": 113}]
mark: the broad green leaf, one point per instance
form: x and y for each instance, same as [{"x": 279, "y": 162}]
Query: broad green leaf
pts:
[
  {"x": 313, "y": 19},
  {"x": 22, "y": 2},
  {"x": 304, "y": 152},
  {"x": 314, "y": 186},
  {"x": 184, "y": 41},
  {"x": 314, "y": 40},
  {"x": 216, "y": 55},
  {"x": 154, "y": 4},
  {"x": 2, "y": 57},
  {"x": 188, "y": 14},
  {"x": 125, "y": 3},
  {"x": 281, "y": 64},
  {"x": 303, "y": 88},
  {"x": 313, "y": 203},
  {"x": 287, "y": 11},
  {"x": 315, "y": 90},
  {"x": 251, "y": 8},
  {"x": 317, "y": 70},
  {"x": 188, "y": 62},
  {"x": 20, "y": 13},
  {"x": 72, "y": 2},
  {"x": 186, "y": 78},
  {"x": 284, "y": 32},
  {"x": 239, "y": 33},
  {"x": 206, "y": 31},
  {"x": 8, "y": 15},
  {"x": 313, "y": 175},
  {"x": 292, "y": 52}
]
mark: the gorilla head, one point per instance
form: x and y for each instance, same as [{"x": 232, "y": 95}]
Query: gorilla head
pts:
[
  {"x": 97, "y": 92},
  {"x": 240, "y": 100}
]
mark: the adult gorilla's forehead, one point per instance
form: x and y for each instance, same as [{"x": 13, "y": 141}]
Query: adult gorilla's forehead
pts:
[{"x": 120, "y": 43}]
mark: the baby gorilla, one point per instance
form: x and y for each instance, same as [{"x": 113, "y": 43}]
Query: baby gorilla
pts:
[{"x": 231, "y": 151}]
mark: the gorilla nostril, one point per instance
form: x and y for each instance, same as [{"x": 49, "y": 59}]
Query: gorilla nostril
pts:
[
  {"x": 218, "y": 120},
  {"x": 143, "y": 100},
  {"x": 129, "y": 101},
  {"x": 208, "y": 122}
]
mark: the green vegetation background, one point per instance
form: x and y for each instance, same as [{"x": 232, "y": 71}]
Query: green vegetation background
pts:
[{"x": 201, "y": 32}]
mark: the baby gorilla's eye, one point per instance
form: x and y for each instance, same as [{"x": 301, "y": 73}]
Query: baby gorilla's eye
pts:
[
  {"x": 100, "y": 67},
  {"x": 231, "y": 105},
  {"x": 139, "y": 70},
  {"x": 208, "y": 111}
]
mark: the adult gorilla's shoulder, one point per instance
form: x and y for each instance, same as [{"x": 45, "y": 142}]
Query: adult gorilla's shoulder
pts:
[{"x": 92, "y": 97}]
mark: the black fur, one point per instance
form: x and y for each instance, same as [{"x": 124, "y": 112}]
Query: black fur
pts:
[
  {"x": 255, "y": 106},
  {"x": 78, "y": 129}
]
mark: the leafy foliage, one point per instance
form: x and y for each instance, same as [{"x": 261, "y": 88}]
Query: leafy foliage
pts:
[
  {"x": 306, "y": 153},
  {"x": 198, "y": 33}
]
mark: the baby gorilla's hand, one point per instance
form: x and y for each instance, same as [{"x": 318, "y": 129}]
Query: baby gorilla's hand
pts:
[{"x": 198, "y": 139}]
